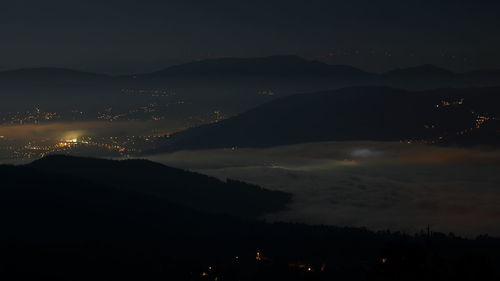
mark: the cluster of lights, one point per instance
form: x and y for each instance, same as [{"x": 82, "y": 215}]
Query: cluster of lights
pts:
[
  {"x": 153, "y": 93},
  {"x": 450, "y": 103}
]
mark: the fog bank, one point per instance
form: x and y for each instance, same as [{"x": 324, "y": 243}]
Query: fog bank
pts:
[{"x": 372, "y": 184}]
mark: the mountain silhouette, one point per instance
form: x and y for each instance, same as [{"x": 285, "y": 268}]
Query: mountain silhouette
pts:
[
  {"x": 229, "y": 85},
  {"x": 275, "y": 65},
  {"x": 353, "y": 114},
  {"x": 293, "y": 67},
  {"x": 181, "y": 187},
  {"x": 422, "y": 71},
  {"x": 47, "y": 74}
]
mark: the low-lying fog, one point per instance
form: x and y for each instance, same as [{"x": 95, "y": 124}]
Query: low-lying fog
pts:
[
  {"x": 60, "y": 130},
  {"x": 368, "y": 184},
  {"x": 24, "y": 143}
]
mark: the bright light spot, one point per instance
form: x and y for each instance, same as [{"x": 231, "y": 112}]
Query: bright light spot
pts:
[
  {"x": 258, "y": 256},
  {"x": 72, "y": 136}
]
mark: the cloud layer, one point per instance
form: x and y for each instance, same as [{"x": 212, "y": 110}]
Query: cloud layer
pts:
[{"x": 377, "y": 185}]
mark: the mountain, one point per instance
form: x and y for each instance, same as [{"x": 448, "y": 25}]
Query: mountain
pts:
[
  {"x": 487, "y": 77},
  {"x": 181, "y": 187},
  {"x": 275, "y": 67},
  {"x": 64, "y": 219},
  {"x": 264, "y": 66},
  {"x": 50, "y": 75},
  {"x": 427, "y": 71},
  {"x": 360, "y": 113},
  {"x": 484, "y": 73},
  {"x": 194, "y": 91},
  {"x": 293, "y": 67},
  {"x": 430, "y": 76}
]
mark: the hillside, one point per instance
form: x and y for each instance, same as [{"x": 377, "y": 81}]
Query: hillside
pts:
[
  {"x": 177, "y": 186},
  {"x": 447, "y": 116}
]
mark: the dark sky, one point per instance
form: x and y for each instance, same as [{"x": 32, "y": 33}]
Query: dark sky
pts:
[{"x": 121, "y": 36}]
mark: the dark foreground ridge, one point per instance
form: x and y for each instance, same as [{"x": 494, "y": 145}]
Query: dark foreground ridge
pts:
[
  {"x": 66, "y": 218},
  {"x": 193, "y": 190},
  {"x": 444, "y": 116}
]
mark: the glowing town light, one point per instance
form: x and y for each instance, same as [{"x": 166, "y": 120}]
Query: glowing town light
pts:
[{"x": 258, "y": 256}]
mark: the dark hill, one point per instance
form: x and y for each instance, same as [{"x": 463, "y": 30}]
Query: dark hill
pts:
[
  {"x": 365, "y": 113},
  {"x": 181, "y": 187}
]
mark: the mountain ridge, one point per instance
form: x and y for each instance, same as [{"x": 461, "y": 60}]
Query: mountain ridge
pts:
[
  {"x": 180, "y": 187},
  {"x": 288, "y": 64},
  {"x": 352, "y": 114},
  {"x": 44, "y": 73}
]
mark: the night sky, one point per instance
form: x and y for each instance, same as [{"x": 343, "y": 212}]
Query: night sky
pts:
[{"x": 128, "y": 36}]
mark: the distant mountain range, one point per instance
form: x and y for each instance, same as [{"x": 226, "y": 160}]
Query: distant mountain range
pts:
[
  {"x": 294, "y": 66},
  {"x": 266, "y": 66},
  {"x": 47, "y": 74},
  {"x": 274, "y": 66},
  {"x": 194, "y": 91},
  {"x": 445, "y": 116}
]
